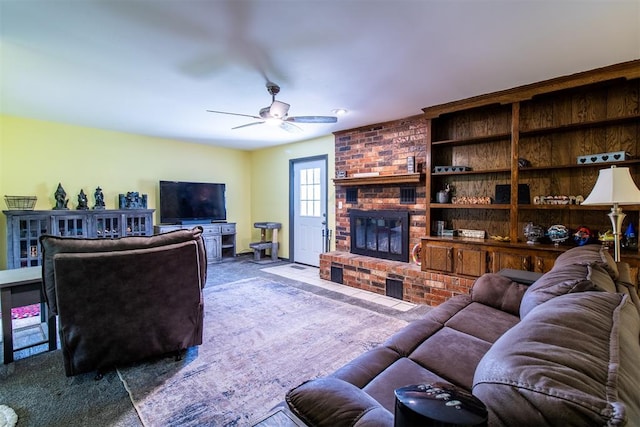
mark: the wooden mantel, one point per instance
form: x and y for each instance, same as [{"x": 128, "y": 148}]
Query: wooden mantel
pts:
[{"x": 407, "y": 178}]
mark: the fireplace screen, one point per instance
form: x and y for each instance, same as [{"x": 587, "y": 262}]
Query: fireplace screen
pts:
[{"x": 380, "y": 234}]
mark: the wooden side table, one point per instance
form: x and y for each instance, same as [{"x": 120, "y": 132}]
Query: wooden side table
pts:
[{"x": 20, "y": 287}]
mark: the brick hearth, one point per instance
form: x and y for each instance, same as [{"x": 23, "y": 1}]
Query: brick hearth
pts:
[{"x": 371, "y": 274}]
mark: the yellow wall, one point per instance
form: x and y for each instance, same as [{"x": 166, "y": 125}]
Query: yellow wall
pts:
[
  {"x": 270, "y": 183},
  {"x": 36, "y": 155}
]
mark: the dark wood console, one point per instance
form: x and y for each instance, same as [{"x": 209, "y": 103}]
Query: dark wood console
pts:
[{"x": 24, "y": 228}]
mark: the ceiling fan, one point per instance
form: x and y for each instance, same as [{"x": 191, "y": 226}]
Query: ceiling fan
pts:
[{"x": 276, "y": 114}]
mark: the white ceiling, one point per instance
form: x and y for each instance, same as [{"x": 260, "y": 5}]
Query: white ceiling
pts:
[{"x": 154, "y": 67}]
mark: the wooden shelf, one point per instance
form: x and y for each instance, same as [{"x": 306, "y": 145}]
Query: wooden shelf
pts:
[
  {"x": 469, "y": 206},
  {"x": 549, "y": 247},
  {"x": 581, "y": 125},
  {"x": 576, "y": 207},
  {"x": 580, "y": 166},
  {"x": 473, "y": 140},
  {"x": 473, "y": 172},
  {"x": 408, "y": 178}
]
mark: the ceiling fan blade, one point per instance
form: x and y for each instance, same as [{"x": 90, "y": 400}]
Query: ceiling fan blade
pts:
[
  {"x": 248, "y": 124},
  {"x": 234, "y": 114},
  {"x": 313, "y": 119},
  {"x": 290, "y": 127}
]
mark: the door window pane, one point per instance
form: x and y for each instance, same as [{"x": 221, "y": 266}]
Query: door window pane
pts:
[{"x": 310, "y": 192}]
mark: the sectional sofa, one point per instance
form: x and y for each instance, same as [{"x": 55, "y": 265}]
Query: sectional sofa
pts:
[{"x": 564, "y": 351}]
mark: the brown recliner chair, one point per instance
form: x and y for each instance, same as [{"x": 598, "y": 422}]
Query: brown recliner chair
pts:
[{"x": 123, "y": 300}]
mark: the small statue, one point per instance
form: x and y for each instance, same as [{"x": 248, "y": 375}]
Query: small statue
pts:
[
  {"x": 133, "y": 200},
  {"x": 444, "y": 195},
  {"x": 82, "y": 201},
  {"x": 99, "y": 199},
  {"x": 61, "y": 198}
]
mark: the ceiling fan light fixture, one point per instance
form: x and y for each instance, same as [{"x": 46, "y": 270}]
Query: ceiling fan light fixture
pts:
[
  {"x": 273, "y": 121},
  {"x": 276, "y": 114},
  {"x": 339, "y": 111},
  {"x": 279, "y": 109}
]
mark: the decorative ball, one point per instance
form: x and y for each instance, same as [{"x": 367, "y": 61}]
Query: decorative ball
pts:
[
  {"x": 533, "y": 233},
  {"x": 558, "y": 233},
  {"x": 582, "y": 236}
]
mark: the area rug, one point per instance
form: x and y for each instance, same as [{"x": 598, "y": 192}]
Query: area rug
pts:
[{"x": 262, "y": 338}]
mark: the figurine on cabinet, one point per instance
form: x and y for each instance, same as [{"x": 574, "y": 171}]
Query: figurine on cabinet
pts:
[
  {"x": 99, "y": 198},
  {"x": 61, "y": 198},
  {"x": 83, "y": 201},
  {"x": 133, "y": 200}
]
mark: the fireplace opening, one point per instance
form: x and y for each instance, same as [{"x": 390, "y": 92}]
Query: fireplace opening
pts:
[{"x": 380, "y": 233}]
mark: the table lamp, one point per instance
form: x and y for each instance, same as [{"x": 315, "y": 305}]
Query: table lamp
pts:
[{"x": 614, "y": 187}]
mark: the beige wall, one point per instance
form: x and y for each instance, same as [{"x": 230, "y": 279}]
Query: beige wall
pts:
[
  {"x": 270, "y": 183},
  {"x": 36, "y": 155}
]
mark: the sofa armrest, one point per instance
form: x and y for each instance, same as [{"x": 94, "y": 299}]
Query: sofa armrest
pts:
[
  {"x": 332, "y": 402},
  {"x": 499, "y": 292},
  {"x": 626, "y": 284},
  {"x": 521, "y": 276}
]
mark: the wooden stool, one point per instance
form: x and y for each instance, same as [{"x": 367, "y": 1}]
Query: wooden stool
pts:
[{"x": 260, "y": 247}]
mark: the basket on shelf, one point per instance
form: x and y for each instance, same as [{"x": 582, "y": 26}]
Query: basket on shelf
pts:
[{"x": 20, "y": 203}]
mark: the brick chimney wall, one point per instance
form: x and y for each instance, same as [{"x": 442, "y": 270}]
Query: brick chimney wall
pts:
[{"x": 382, "y": 148}]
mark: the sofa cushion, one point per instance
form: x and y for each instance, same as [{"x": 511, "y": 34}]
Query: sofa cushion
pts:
[
  {"x": 452, "y": 355},
  {"x": 588, "y": 254},
  {"x": 499, "y": 292},
  {"x": 583, "y": 269},
  {"x": 559, "y": 281},
  {"x": 332, "y": 402},
  {"x": 482, "y": 321},
  {"x": 571, "y": 361},
  {"x": 600, "y": 278},
  {"x": 445, "y": 345},
  {"x": 53, "y": 245},
  {"x": 401, "y": 373},
  {"x": 405, "y": 341}
]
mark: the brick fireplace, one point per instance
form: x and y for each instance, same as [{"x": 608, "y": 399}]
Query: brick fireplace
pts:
[
  {"x": 380, "y": 233},
  {"x": 384, "y": 148}
]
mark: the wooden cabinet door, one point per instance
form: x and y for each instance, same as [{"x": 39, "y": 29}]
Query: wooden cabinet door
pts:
[
  {"x": 517, "y": 261},
  {"x": 436, "y": 257},
  {"x": 543, "y": 263},
  {"x": 471, "y": 262}
]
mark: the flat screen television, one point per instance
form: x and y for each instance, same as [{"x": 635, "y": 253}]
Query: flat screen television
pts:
[{"x": 192, "y": 202}]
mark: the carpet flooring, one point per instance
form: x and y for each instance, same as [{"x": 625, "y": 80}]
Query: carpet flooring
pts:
[
  {"x": 262, "y": 338},
  {"x": 250, "y": 372}
]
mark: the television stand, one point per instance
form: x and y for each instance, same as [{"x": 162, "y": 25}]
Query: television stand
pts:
[
  {"x": 193, "y": 222},
  {"x": 219, "y": 238}
]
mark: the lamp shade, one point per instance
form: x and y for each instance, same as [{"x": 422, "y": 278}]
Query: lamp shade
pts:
[{"x": 614, "y": 185}]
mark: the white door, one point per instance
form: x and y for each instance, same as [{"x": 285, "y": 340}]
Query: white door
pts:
[{"x": 309, "y": 210}]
